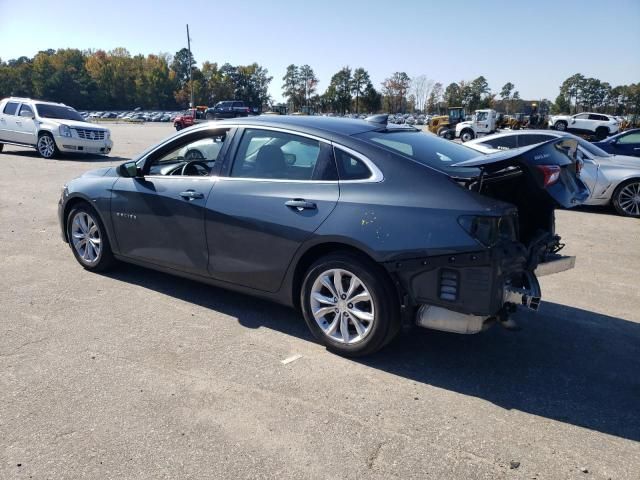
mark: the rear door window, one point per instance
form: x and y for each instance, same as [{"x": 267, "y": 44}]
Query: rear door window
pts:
[
  {"x": 350, "y": 167},
  {"x": 10, "y": 108}
]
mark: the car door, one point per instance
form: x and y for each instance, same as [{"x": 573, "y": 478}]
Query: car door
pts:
[
  {"x": 581, "y": 122},
  {"x": 272, "y": 196},
  {"x": 159, "y": 216},
  {"x": 26, "y": 130},
  {"x": 8, "y": 122},
  {"x": 627, "y": 144}
]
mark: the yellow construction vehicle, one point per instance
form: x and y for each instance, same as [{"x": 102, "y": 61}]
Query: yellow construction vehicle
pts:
[{"x": 445, "y": 125}]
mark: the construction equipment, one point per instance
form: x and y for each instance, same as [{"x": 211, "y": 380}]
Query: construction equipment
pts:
[{"x": 444, "y": 125}]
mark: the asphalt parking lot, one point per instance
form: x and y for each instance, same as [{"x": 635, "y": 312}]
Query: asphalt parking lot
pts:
[{"x": 137, "y": 374}]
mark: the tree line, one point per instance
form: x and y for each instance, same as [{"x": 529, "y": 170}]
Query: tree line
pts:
[
  {"x": 117, "y": 80},
  {"x": 97, "y": 80}
]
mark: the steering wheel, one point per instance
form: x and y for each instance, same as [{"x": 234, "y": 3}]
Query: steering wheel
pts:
[{"x": 195, "y": 167}]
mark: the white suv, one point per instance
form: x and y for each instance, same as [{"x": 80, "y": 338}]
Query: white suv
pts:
[
  {"x": 586, "y": 123},
  {"x": 50, "y": 128}
]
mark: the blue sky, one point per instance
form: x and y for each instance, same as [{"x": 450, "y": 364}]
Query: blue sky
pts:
[{"x": 534, "y": 44}]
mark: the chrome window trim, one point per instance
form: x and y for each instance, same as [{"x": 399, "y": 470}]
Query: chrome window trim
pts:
[
  {"x": 181, "y": 177},
  {"x": 376, "y": 174}
]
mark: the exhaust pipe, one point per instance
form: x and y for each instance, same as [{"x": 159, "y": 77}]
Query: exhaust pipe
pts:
[{"x": 438, "y": 318}]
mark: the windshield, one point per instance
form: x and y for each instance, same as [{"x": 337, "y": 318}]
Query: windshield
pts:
[
  {"x": 58, "y": 111},
  {"x": 425, "y": 148}
]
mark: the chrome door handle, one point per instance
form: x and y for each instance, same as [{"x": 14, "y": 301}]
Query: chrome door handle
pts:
[
  {"x": 300, "y": 204},
  {"x": 191, "y": 195}
]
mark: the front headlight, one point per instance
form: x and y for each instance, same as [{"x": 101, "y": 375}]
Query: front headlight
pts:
[{"x": 64, "y": 130}]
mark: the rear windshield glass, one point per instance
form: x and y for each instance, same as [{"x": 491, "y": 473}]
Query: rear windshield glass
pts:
[
  {"x": 425, "y": 148},
  {"x": 58, "y": 111},
  {"x": 592, "y": 149}
]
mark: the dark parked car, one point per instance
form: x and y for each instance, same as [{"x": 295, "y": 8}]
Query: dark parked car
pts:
[
  {"x": 625, "y": 143},
  {"x": 228, "y": 109},
  {"x": 360, "y": 225}
]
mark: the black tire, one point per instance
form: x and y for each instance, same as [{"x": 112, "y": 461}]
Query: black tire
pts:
[
  {"x": 621, "y": 204},
  {"x": 602, "y": 133},
  {"x": 104, "y": 259},
  {"x": 560, "y": 125},
  {"x": 442, "y": 132},
  {"x": 46, "y": 146},
  {"x": 178, "y": 127},
  {"x": 210, "y": 116},
  {"x": 1, "y": 147},
  {"x": 466, "y": 135},
  {"x": 386, "y": 321}
]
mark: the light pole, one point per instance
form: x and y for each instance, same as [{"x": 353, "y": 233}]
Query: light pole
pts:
[{"x": 190, "y": 66}]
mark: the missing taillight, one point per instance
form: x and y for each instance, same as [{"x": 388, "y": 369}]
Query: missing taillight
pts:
[{"x": 551, "y": 174}]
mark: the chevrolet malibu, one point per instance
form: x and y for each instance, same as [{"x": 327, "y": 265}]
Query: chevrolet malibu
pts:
[{"x": 362, "y": 226}]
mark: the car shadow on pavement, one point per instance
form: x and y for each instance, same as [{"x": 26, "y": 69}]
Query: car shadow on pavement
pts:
[
  {"x": 70, "y": 157},
  {"x": 566, "y": 364}
]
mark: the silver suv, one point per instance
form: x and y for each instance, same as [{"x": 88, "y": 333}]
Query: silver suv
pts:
[{"x": 50, "y": 128}]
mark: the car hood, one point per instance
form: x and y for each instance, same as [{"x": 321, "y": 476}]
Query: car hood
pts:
[
  {"x": 100, "y": 172},
  {"x": 74, "y": 123}
]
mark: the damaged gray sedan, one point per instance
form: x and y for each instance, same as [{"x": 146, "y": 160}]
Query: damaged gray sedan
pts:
[{"x": 360, "y": 226}]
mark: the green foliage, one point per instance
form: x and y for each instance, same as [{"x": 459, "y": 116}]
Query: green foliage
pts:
[
  {"x": 338, "y": 94},
  {"x": 359, "y": 84},
  {"x": 394, "y": 90},
  {"x": 116, "y": 80}
]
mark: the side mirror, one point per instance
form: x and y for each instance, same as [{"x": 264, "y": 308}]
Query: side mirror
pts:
[{"x": 129, "y": 170}]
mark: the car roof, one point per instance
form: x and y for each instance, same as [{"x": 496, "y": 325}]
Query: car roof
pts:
[
  {"x": 332, "y": 125},
  {"x": 25, "y": 99}
]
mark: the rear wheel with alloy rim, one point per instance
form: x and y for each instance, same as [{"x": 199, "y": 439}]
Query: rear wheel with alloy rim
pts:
[
  {"x": 348, "y": 304},
  {"x": 1, "y": 147},
  {"x": 88, "y": 240},
  {"x": 47, "y": 146},
  {"x": 626, "y": 198}
]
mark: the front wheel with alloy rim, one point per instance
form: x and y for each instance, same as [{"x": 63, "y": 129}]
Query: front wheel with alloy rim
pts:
[
  {"x": 626, "y": 198},
  {"x": 560, "y": 126},
  {"x": 348, "y": 304},
  {"x": 47, "y": 146},
  {"x": 88, "y": 240}
]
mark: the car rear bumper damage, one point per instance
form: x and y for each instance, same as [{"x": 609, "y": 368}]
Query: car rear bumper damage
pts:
[{"x": 467, "y": 293}]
